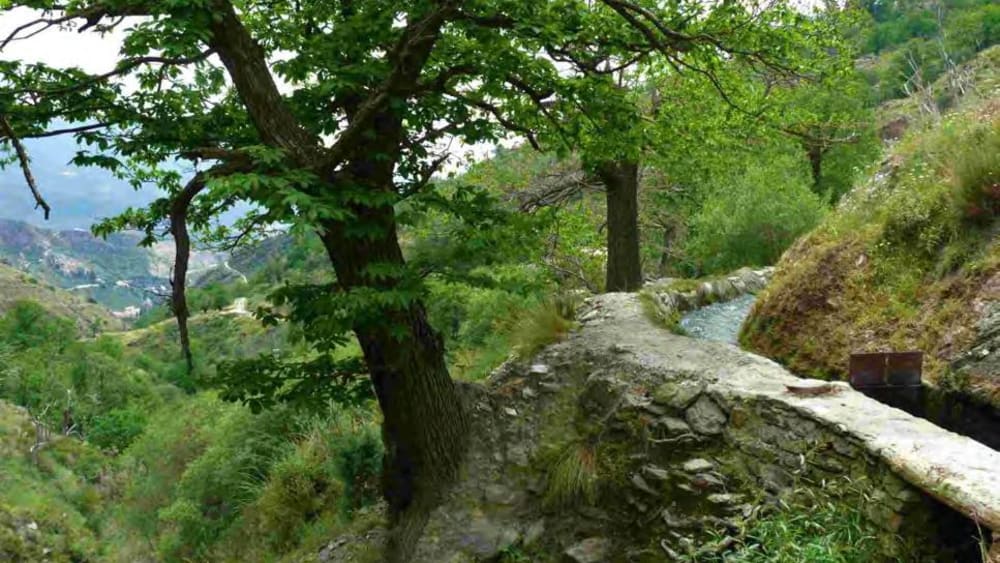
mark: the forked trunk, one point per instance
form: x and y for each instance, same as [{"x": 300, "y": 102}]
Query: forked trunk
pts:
[{"x": 621, "y": 183}]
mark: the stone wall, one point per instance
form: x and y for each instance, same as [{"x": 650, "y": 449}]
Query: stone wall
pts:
[{"x": 628, "y": 443}]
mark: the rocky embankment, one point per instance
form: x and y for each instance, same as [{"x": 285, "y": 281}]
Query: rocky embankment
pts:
[
  {"x": 626, "y": 442},
  {"x": 910, "y": 260}
]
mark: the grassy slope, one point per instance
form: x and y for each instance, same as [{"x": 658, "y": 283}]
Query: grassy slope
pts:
[
  {"x": 900, "y": 265},
  {"x": 46, "y": 509},
  {"x": 89, "y": 317}
]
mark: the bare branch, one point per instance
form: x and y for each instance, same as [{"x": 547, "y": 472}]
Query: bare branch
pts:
[{"x": 22, "y": 157}]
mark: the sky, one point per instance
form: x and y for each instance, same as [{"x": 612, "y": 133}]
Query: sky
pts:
[{"x": 80, "y": 196}]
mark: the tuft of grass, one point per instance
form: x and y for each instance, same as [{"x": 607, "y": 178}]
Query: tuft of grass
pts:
[
  {"x": 540, "y": 327},
  {"x": 975, "y": 173},
  {"x": 573, "y": 477}
]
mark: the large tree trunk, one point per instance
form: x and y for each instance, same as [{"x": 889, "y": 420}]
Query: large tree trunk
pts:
[
  {"x": 621, "y": 182},
  {"x": 424, "y": 423}
]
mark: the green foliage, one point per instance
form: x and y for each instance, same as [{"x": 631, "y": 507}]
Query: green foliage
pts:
[
  {"x": 47, "y": 511},
  {"x": 831, "y": 533},
  {"x": 116, "y": 429},
  {"x": 754, "y": 218},
  {"x": 975, "y": 168},
  {"x": 29, "y": 325},
  {"x": 905, "y": 33}
]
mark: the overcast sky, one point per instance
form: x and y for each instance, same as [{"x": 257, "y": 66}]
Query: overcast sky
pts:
[{"x": 80, "y": 196}]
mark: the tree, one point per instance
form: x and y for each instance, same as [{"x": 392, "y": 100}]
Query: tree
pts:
[
  {"x": 609, "y": 111},
  {"x": 367, "y": 91}
]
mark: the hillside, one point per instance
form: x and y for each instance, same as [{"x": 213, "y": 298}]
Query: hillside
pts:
[
  {"x": 90, "y": 318},
  {"x": 909, "y": 261},
  {"x": 115, "y": 272},
  {"x": 46, "y": 500}
]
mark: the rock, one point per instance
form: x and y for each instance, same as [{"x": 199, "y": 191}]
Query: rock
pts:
[
  {"x": 775, "y": 479},
  {"x": 486, "y": 539},
  {"x": 497, "y": 493},
  {"x": 724, "y": 498},
  {"x": 697, "y": 465},
  {"x": 674, "y": 521},
  {"x": 656, "y": 473},
  {"x": 539, "y": 369},
  {"x": 678, "y": 394},
  {"x": 528, "y": 393},
  {"x": 707, "y": 481},
  {"x": 549, "y": 387},
  {"x": 653, "y": 408},
  {"x": 326, "y": 554},
  {"x": 705, "y": 417},
  {"x": 602, "y": 394},
  {"x": 590, "y": 550},
  {"x": 533, "y": 533},
  {"x": 641, "y": 484},
  {"x": 673, "y": 426},
  {"x": 510, "y": 411},
  {"x": 619, "y": 349}
]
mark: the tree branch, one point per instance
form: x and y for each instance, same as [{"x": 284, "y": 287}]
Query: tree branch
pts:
[{"x": 22, "y": 157}]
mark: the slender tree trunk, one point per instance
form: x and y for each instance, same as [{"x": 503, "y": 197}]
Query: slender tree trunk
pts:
[
  {"x": 815, "y": 154},
  {"x": 668, "y": 240},
  {"x": 621, "y": 183}
]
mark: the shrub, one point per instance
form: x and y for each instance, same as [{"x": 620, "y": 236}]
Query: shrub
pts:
[
  {"x": 754, "y": 219},
  {"x": 976, "y": 173},
  {"x": 539, "y": 327},
  {"x": 116, "y": 429}
]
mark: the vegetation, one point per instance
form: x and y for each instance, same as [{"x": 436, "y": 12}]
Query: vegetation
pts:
[
  {"x": 898, "y": 264},
  {"x": 327, "y": 404}
]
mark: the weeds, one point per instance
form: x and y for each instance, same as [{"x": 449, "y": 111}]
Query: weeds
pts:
[
  {"x": 573, "y": 477},
  {"x": 540, "y": 327}
]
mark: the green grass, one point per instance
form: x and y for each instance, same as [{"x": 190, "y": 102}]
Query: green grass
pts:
[
  {"x": 539, "y": 327},
  {"x": 572, "y": 477}
]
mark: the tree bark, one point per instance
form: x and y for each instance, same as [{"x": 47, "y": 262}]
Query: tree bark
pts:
[
  {"x": 815, "y": 153},
  {"x": 621, "y": 182},
  {"x": 425, "y": 425}
]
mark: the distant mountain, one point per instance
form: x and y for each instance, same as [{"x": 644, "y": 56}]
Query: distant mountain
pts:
[
  {"x": 90, "y": 317},
  {"x": 79, "y": 196},
  {"x": 115, "y": 272}
]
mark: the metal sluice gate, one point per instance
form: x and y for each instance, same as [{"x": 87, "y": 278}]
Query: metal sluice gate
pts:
[{"x": 886, "y": 369}]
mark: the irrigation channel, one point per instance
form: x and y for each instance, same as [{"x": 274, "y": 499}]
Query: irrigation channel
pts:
[{"x": 722, "y": 322}]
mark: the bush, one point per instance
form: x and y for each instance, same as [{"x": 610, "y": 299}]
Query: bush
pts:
[
  {"x": 753, "y": 220},
  {"x": 116, "y": 429},
  {"x": 976, "y": 173}
]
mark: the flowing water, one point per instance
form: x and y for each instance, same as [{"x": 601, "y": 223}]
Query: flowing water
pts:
[{"x": 719, "y": 321}]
